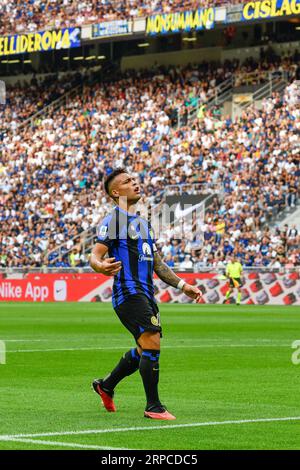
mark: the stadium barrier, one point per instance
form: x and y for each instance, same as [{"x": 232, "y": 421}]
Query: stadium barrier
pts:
[{"x": 260, "y": 288}]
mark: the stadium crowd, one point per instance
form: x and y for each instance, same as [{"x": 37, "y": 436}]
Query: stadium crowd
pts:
[
  {"x": 50, "y": 173},
  {"x": 17, "y": 16},
  {"x": 23, "y": 100}
]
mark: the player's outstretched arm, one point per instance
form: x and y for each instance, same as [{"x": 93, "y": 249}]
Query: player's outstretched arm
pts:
[
  {"x": 169, "y": 277},
  {"x": 102, "y": 265}
]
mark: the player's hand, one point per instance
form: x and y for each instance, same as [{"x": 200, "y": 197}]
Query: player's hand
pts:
[
  {"x": 192, "y": 292},
  {"x": 110, "y": 267}
]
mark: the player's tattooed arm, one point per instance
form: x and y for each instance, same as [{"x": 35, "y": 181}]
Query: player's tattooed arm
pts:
[
  {"x": 169, "y": 277},
  {"x": 164, "y": 272}
]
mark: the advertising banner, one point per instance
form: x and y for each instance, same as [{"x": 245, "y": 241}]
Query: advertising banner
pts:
[
  {"x": 202, "y": 18},
  {"x": 111, "y": 28},
  {"x": 234, "y": 13},
  {"x": 270, "y": 9},
  {"x": 259, "y": 288},
  {"x": 40, "y": 42}
]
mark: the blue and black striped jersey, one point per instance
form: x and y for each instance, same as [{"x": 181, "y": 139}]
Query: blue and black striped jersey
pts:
[{"x": 130, "y": 239}]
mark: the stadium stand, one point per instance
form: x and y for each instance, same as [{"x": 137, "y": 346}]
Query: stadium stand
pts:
[
  {"x": 23, "y": 100},
  {"x": 18, "y": 16},
  {"x": 50, "y": 173}
]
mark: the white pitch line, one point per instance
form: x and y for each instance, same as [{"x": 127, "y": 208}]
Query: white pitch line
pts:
[
  {"x": 149, "y": 428},
  {"x": 183, "y": 346},
  {"x": 25, "y": 340},
  {"x": 64, "y": 444},
  {"x": 67, "y": 349}
]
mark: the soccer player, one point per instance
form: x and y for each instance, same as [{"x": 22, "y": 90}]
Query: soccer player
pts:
[
  {"x": 132, "y": 258},
  {"x": 234, "y": 271}
]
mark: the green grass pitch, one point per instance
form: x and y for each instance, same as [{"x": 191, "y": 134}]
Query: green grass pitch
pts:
[{"x": 225, "y": 372}]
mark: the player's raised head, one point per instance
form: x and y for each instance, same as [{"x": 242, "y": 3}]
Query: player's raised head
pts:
[{"x": 120, "y": 183}]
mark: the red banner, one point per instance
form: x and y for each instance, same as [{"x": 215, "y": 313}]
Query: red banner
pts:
[{"x": 259, "y": 288}]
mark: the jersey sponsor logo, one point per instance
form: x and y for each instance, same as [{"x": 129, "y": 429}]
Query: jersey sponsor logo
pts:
[
  {"x": 146, "y": 248},
  {"x": 147, "y": 253}
]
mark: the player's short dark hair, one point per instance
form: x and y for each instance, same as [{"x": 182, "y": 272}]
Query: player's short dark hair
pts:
[{"x": 111, "y": 177}]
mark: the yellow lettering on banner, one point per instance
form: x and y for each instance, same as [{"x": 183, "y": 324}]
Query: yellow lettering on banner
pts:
[
  {"x": 174, "y": 22},
  {"x": 38, "y": 43},
  {"x": 265, "y": 9},
  {"x": 12, "y": 49},
  {"x": 46, "y": 40},
  {"x": 196, "y": 20},
  {"x": 56, "y": 38},
  {"x": 269, "y": 9},
  {"x": 181, "y": 21},
  {"x": 273, "y": 8},
  {"x": 6, "y": 46},
  {"x": 189, "y": 20},
  {"x": 150, "y": 25},
  {"x": 3, "y": 48},
  {"x": 210, "y": 18},
  {"x": 23, "y": 44},
  {"x": 14, "y": 44},
  {"x": 285, "y": 8},
  {"x": 203, "y": 17},
  {"x": 169, "y": 22},
  {"x": 66, "y": 43},
  {"x": 31, "y": 43},
  {"x": 256, "y": 10},
  {"x": 248, "y": 12},
  {"x": 295, "y": 7},
  {"x": 162, "y": 23},
  {"x": 157, "y": 24}
]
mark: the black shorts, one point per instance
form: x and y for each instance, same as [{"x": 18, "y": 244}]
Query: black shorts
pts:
[
  {"x": 238, "y": 279},
  {"x": 139, "y": 314}
]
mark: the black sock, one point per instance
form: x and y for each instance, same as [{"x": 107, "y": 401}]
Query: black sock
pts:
[
  {"x": 149, "y": 370},
  {"x": 128, "y": 364}
]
